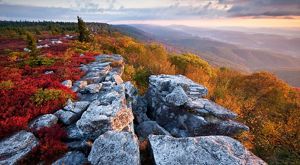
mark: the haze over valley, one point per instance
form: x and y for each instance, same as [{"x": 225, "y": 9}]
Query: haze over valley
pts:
[{"x": 248, "y": 50}]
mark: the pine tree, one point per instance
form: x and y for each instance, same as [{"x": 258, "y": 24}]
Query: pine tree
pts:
[
  {"x": 31, "y": 44},
  {"x": 84, "y": 34}
]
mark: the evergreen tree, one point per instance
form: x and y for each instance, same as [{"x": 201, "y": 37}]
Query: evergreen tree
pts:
[
  {"x": 84, "y": 34},
  {"x": 31, "y": 44}
]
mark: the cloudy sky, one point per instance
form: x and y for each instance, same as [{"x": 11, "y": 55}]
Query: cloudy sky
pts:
[{"x": 248, "y": 13}]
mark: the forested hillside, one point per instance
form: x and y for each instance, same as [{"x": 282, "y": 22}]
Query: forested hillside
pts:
[{"x": 30, "y": 84}]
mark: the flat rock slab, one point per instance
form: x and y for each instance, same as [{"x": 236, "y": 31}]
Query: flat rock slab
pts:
[
  {"x": 209, "y": 150},
  {"x": 16, "y": 147},
  {"x": 115, "y": 148}
]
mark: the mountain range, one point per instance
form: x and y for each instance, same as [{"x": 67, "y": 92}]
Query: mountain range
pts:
[{"x": 244, "y": 50}]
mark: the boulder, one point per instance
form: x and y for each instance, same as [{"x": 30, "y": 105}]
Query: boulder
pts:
[
  {"x": 147, "y": 128},
  {"x": 72, "y": 158},
  {"x": 67, "y": 83},
  {"x": 15, "y": 148},
  {"x": 208, "y": 150},
  {"x": 175, "y": 103},
  {"x": 46, "y": 120},
  {"x": 99, "y": 118},
  {"x": 115, "y": 148}
]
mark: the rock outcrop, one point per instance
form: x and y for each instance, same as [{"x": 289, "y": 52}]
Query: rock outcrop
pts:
[
  {"x": 208, "y": 150},
  {"x": 16, "y": 147},
  {"x": 177, "y": 105},
  {"x": 115, "y": 148},
  {"x": 101, "y": 125}
]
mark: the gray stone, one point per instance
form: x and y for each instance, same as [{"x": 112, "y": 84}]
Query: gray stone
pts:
[
  {"x": 16, "y": 147},
  {"x": 93, "y": 88},
  {"x": 67, "y": 83},
  {"x": 73, "y": 133},
  {"x": 175, "y": 103},
  {"x": 49, "y": 72},
  {"x": 147, "y": 128},
  {"x": 99, "y": 118},
  {"x": 115, "y": 148},
  {"x": 67, "y": 117},
  {"x": 139, "y": 109},
  {"x": 177, "y": 97},
  {"x": 208, "y": 150},
  {"x": 46, "y": 120},
  {"x": 72, "y": 158}
]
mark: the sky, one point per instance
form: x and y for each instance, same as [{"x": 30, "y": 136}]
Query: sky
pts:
[{"x": 206, "y": 13}]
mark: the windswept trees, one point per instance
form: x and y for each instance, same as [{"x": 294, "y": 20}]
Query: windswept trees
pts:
[{"x": 84, "y": 34}]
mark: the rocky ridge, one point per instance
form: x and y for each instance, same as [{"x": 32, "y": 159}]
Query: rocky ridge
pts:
[{"x": 110, "y": 119}]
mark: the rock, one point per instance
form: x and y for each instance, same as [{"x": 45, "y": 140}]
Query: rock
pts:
[
  {"x": 67, "y": 83},
  {"x": 73, "y": 133},
  {"x": 46, "y": 120},
  {"x": 72, "y": 111},
  {"x": 77, "y": 107},
  {"x": 72, "y": 158},
  {"x": 93, "y": 88},
  {"x": 115, "y": 148},
  {"x": 200, "y": 150},
  {"x": 49, "y": 72},
  {"x": 81, "y": 84},
  {"x": 99, "y": 118},
  {"x": 117, "y": 79},
  {"x": 175, "y": 103},
  {"x": 177, "y": 97},
  {"x": 150, "y": 128},
  {"x": 67, "y": 117},
  {"x": 139, "y": 109},
  {"x": 16, "y": 147}
]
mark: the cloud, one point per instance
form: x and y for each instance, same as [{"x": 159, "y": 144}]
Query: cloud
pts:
[
  {"x": 117, "y": 10},
  {"x": 263, "y": 7}
]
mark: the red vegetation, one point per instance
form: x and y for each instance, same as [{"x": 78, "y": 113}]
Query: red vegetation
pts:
[
  {"x": 50, "y": 146},
  {"x": 26, "y": 92}
]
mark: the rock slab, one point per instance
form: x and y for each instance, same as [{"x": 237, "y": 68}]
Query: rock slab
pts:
[
  {"x": 16, "y": 147},
  {"x": 115, "y": 148},
  {"x": 209, "y": 150}
]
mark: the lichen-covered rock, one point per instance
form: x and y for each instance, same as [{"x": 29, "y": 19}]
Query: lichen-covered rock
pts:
[
  {"x": 147, "y": 128},
  {"x": 208, "y": 150},
  {"x": 175, "y": 104},
  {"x": 67, "y": 83},
  {"x": 46, "y": 120},
  {"x": 98, "y": 118},
  {"x": 72, "y": 158},
  {"x": 177, "y": 97},
  {"x": 115, "y": 148},
  {"x": 16, "y": 147}
]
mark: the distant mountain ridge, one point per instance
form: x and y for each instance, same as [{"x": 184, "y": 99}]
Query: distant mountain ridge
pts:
[{"x": 220, "y": 53}]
